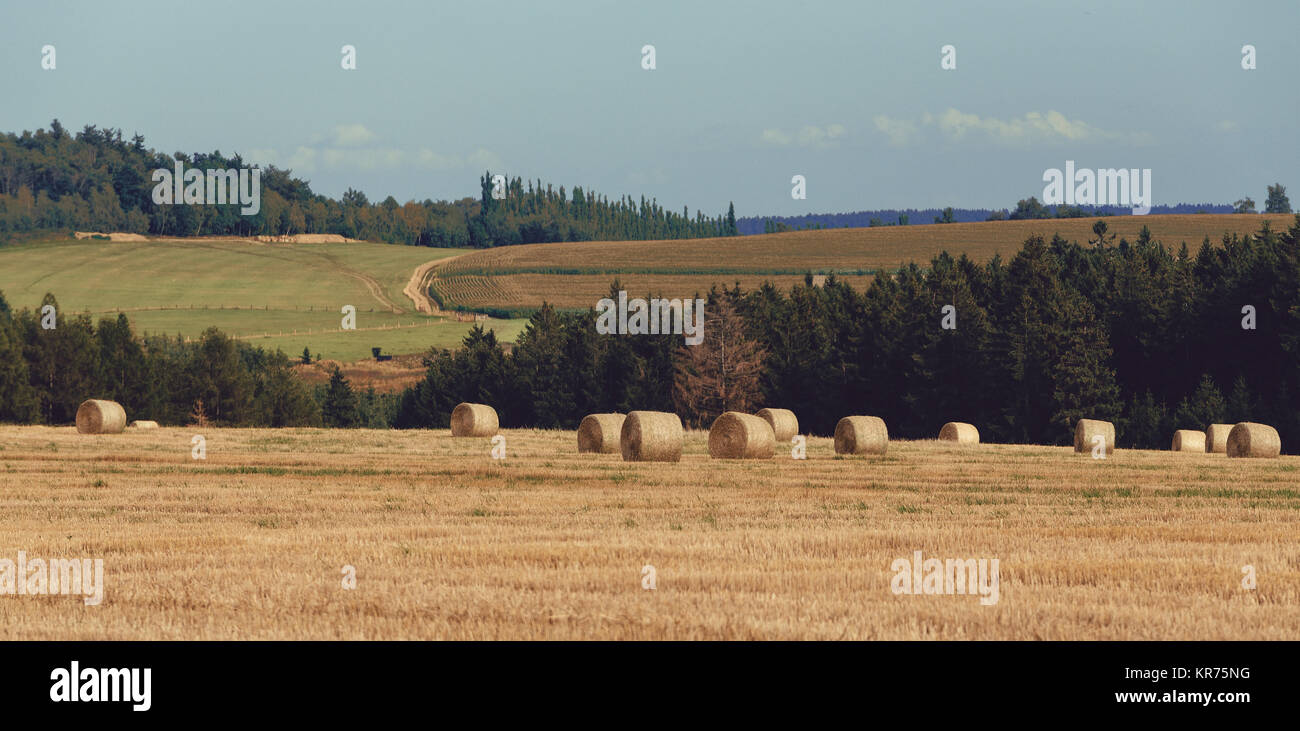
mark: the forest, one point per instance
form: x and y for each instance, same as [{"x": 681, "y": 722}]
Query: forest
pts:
[
  {"x": 50, "y": 363},
  {"x": 1153, "y": 338},
  {"x": 98, "y": 181}
]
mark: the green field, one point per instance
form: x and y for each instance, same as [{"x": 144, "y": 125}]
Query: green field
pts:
[{"x": 286, "y": 296}]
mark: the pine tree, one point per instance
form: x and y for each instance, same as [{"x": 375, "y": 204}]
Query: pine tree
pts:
[
  {"x": 282, "y": 398},
  {"x": 18, "y": 400},
  {"x": 340, "y": 404},
  {"x": 1240, "y": 406},
  {"x": 1206, "y": 406}
]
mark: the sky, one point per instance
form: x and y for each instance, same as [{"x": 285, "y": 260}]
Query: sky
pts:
[{"x": 743, "y": 96}]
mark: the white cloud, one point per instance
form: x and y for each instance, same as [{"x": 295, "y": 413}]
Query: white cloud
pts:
[
  {"x": 427, "y": 158},
  {"x": 478, "y": 160},
  {"x": 349, "y": 153},
  {"x": 775, "y": 137},
  {"x": 808, "y": 136},
  {"x": 370, "y": 158},
  {"x": 481, "y": 158},
  {"x": 1033, "y": 127},
  {"x": 302, "y": 159},
  {"x": 350, "y": 135},
  {"x": 900, "y": 131}
]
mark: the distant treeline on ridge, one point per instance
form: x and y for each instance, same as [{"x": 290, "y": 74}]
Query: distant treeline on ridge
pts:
[{"x": 96, "y": 180}]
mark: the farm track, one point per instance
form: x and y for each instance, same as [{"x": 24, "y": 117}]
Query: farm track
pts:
[{"x": 417, "y": 288}]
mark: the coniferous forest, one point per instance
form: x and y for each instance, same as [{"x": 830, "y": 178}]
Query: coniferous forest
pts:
[{"x": 1153, "y": 338}]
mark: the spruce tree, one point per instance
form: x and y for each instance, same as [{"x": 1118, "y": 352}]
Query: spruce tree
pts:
[{"x": 340, "y": 404}]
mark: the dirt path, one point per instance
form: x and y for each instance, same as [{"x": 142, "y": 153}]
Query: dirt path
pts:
[
  {"x": 417, "y": 288},
  {"x": 372, "y": 284}
]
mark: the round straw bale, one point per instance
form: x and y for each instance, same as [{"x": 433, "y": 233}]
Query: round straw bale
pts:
[
  {"x": 1188, "y": 440},
  {"x": 1087, "y": 430},
  {"x": 960, "y": 432},
  {"x": 1249, "y": 439},
  {"x": 1216, "y": 437},
  {"x": 95, "y": 416},
  {"x": 741, "y": 436},
  {"x": 600, "y": 433},
  {"x": 861, "y": 435},
  {"x": 783, "y": 422},
  {"x": 474, "y": 420},
  {"x": 651, "y": 436},
  {"x": 144, "y": 424}
]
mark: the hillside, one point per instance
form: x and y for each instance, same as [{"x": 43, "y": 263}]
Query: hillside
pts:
[
  {"x": 578, "y": 274},
  {"x": 291, "y": 293}
]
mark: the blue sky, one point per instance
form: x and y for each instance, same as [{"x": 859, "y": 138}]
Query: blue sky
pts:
[{"x": 745, "y": 94}]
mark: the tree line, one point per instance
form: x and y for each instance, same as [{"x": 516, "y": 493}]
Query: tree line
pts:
[
  {"x": 1153, "y": 338},
  {"x": 97, "y": 180},
  {"x": 1028, "y": 208},
  {"x": 51, "y": 362}
]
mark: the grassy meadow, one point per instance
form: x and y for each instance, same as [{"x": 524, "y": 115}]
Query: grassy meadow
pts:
[
  {"x": 576, "y": 275},
  {"x": 270, "y": 294},
  {"x": 548, "y": 544}
]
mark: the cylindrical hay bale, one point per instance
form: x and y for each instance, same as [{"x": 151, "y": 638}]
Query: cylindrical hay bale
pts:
[
  {"x": 651, "y": 436},
  {"x": 1086, "y": 432},
  {"x": 144, "y": 424},
  {"x": 1216, "y": 438},
  {"x": 741, "y": 436},
  {"x": 960, "y": 432},
  {"x": 474, "y": 420},
  {"x": 1249, "y": 439},
  {"x": 1188, "y": 440},
  {"x": 861, "y": 435},
  {"x": 600, "y": 433},
  {"x": 100, "y": 417},
  {"x": 783, "y": 422}
]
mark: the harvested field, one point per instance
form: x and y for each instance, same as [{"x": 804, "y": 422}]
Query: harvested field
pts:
[
  {"x": 578, "y": 274},
  {"x": 550, "y": 544}
]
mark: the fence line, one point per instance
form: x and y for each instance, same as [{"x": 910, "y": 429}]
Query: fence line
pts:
[
  {"x": 376, "y": 328},
  {"x": 263, "y": 308}
]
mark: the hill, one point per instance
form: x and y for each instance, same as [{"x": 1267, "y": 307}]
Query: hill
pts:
[
  {"x": 576, "y": 275},
  {"x": 286, "y": 296}
]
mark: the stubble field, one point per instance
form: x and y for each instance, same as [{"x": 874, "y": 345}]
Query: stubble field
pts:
[
  {"x": 576, "y": 275},
  {"x": 548, "y": 544}
]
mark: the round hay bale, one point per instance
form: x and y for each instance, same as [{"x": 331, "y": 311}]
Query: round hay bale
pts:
[
  {"x": 95, "y": 416},
  {"x": 1249, "y": 439},
  {"x": 960, "y": 432},
  {"x": 1216, "y": 438},
  {"x": 474, "y": 420},
  {"x": 783, "y": 422},
  {"x": 741, "y": 436},
  {"x": 651, "y": 436},
  {"x": 599, "y": 433},
  {"x": 144, "y": 424},
  {"x": 1087, "y": 429},
  {"x": 1188, "y": 440},
  {"x": 861, "y": 435}
]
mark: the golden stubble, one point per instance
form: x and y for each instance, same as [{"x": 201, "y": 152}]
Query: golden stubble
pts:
[{"x": 549, "y": 544}]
